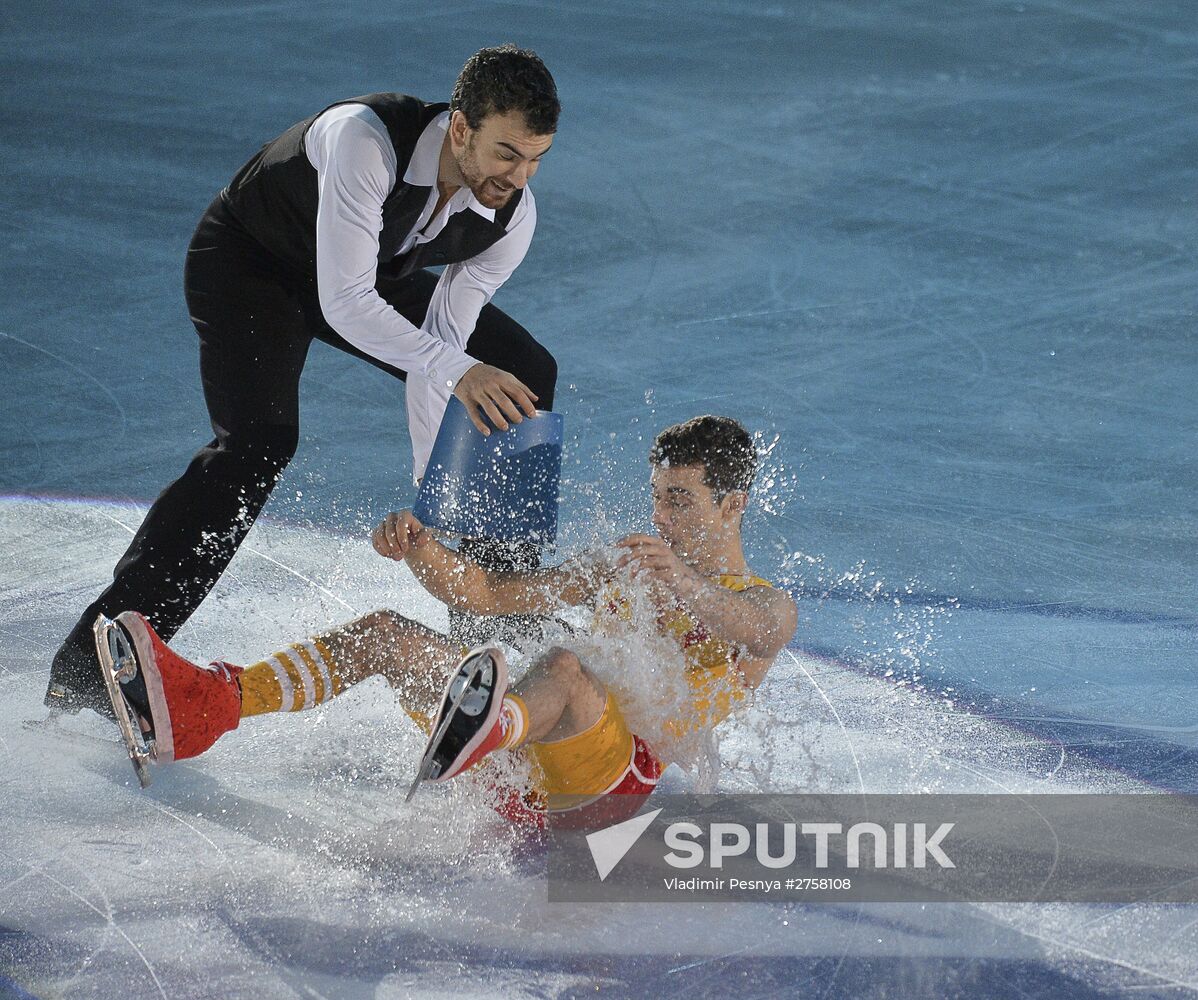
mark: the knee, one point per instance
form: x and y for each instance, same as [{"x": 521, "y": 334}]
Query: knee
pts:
[
  {"x": 275, "y": 446},
  {"x": 391, "y": 623},
  {"x": 536, "y": 367},
  {"x": 271, "y": 445},
  {"x": 543, "y": 376},
  {"x": 564, "y": 665},
  {"x": 247, "y": 461}
]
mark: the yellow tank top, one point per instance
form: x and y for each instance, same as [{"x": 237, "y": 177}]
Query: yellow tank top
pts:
[{"x": 715, "y": 682}]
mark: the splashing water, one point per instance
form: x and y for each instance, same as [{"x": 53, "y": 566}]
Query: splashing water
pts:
[{"x": 778, "y": 739}]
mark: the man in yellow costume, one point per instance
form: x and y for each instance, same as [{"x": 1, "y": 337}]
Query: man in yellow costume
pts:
[{"x": 691, "y": 574}]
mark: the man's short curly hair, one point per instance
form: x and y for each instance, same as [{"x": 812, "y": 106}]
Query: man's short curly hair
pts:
[
  {"x": 720, "y": 444},
  {"x": 505, "y": 78}
]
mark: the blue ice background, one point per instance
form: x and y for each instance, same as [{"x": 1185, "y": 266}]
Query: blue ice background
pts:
[{"x": 944, "y": 252}]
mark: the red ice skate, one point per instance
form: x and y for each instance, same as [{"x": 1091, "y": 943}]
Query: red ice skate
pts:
[
  {"x": 469, "y": 726},
  {"x": 167, "y": 708}
]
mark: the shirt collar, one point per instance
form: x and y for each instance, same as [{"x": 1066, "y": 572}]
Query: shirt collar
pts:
[
  {"x": 426, "y": 157},
  {"x": 426, "y": 163}
]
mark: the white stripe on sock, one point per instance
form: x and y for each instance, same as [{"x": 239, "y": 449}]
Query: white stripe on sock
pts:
[
  {"x": 305, "y": 676},
  {"x": 285, "y": 685},
  {"x": 322, "y": 665}
]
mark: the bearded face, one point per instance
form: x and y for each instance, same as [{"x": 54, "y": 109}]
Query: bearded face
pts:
[{"x": 497, "y": 158}]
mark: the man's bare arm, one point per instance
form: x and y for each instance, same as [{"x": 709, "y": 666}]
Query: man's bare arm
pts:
[
  {"x": 761, "y": 620},
  {"x": 461, "y": 583}
]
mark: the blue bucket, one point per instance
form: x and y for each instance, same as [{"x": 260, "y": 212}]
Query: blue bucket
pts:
[{"x": 503, "y": 486}]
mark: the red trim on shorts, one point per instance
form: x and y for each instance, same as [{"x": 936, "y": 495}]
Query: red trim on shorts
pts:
[
  {"x": 644, "y": 770},
  {"x": 527, "y": 809}
]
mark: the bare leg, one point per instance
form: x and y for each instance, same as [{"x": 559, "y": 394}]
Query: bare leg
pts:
[
  {"x": 415, "y": 659},
  {"x": 563, "y": 698}
]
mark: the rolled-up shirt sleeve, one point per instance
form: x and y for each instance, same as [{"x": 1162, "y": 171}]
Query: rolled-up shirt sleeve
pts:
[
  {"x": 356, "y": 173},
  {"x": 459, "y": 297}
]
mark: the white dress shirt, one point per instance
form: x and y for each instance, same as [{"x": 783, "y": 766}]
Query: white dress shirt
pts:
[{"x": 356, "y": 168}]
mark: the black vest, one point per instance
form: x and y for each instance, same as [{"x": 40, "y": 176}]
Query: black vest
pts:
[{"x": 274, "y": 197}]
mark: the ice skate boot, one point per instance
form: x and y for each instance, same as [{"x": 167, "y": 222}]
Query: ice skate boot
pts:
[
  {"x": 167, "y": 708},
  {"x": 468, "y": 726},
  {"x": 75, "y": 678}
]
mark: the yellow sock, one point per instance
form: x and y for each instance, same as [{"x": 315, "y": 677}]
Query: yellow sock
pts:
[
  {"x": 300, "y": 676},
  {"x": 422, "y": 719}
]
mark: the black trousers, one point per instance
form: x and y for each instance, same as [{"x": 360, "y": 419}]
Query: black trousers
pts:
[{"x": 256, "y": 318}]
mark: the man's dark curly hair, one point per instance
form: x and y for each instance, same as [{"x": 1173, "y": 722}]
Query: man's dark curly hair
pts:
[
  {"x": 720, "y": 444},
  {"x": 503, "y": 79}
]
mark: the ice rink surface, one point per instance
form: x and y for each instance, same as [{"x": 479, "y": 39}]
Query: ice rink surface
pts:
[{"x": 939, "y": 256}]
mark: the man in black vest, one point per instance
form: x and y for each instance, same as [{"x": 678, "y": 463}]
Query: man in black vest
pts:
[{"x": 326, "y": 234}]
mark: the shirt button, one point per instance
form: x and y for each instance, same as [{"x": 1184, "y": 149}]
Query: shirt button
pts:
[{"x": 449, "y": 383}]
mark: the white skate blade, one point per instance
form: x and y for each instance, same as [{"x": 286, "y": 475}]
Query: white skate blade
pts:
[
  {"x": 434, "y": 740},
  {"x": 117, "y": 661}
]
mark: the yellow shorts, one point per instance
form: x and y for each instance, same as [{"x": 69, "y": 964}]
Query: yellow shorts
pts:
[
  {"x": 606, "y": 757},
  {"x": 588, "y": 763}
]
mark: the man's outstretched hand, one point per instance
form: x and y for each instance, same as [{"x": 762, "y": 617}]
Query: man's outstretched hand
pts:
[
  {"x": 498, "y": 394},
  {"x": 398, "y": 534}
]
